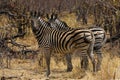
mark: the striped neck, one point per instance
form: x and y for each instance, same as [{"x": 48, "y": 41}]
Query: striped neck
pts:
[{"x": 43, "y": 22}]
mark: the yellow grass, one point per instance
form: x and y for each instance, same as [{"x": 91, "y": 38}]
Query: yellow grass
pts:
[
  {"x": 29, "y": 69},
  {"x": 110, "y": 70}
]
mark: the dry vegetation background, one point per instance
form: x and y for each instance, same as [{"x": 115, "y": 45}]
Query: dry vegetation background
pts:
[{"x": 28, "y": 69}]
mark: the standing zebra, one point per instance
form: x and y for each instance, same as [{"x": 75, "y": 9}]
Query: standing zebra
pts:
[
  {"x": 100, "y": 39},
  {"x": 65, "y": 27},
  {"x": 68, "y": 56},
  {"x": 51, "y": 40}
]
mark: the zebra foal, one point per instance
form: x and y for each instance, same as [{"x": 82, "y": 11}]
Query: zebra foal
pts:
[
  {"x": 100, "y": 39},
  {"x": 52, "y": 40}
]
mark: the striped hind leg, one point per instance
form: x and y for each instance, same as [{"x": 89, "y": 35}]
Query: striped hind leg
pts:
[
  {"x": 69, "y": 62},
  {"x": 84, "y": 62},
  {"x": 92, "y": 58},
  {"x": 99, "y": 59},
  {"x": 91, "y": 54}
]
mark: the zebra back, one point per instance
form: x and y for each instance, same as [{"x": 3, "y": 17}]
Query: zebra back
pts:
[
  {"x": 99, "y": 33},
  {"x": 50, "y": 37}
]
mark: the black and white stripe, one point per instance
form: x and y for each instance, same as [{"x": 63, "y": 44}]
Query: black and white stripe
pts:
[
  {"x": 99, "y": 33},
  {"x": 52, "y": 40}
]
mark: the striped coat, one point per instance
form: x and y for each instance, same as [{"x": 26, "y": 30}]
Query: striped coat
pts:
[
  {"x": 52, "y": 40},
  {"x": 99, "y": 33}
]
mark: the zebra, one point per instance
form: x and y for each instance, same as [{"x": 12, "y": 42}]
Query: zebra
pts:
[
  {"x": 68, "y": 57},
  {"x": 64, "y": 27},
  {"x": 51, "y": 40},
  {"x": 99, "y": 33},
  {"x": 57, "y": 24}
]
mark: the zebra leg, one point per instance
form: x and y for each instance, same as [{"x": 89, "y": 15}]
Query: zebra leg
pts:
[
  {"x": 69, "y": 62},
  {"x": 99, "y": 59},
  {"x": 91, "y": 55},
  {"x": 84, "y": 62},
  {"x": 47, "y": 55},
  {"x": 93, "y": 62}
]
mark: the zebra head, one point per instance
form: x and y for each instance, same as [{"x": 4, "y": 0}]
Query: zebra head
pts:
[
  {"x": 56, "y": 23},
  {"x": 52, "y": 20},
  {"x": 34, "y": 21}
]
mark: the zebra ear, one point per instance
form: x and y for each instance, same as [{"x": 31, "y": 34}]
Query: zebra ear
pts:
[
  {"x": 38, "y": 13},
  {"x": 47, "y": 16},
  {"x": 35, "y": 14},
  {"x": 31, "y": 13},
  {"x": 54, "y": 16}
]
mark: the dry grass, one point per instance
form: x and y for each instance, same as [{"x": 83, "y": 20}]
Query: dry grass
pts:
[
  {"x": 110, "y": 70},
  {"x": 71, "y": 20},
  {"x": 29, "y": 69}
]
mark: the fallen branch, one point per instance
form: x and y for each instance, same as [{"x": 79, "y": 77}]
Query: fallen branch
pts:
[{"x": 13, "y": 37}]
